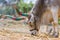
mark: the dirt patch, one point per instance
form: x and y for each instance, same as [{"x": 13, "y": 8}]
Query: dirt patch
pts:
[{"x": 17, "y": 30}]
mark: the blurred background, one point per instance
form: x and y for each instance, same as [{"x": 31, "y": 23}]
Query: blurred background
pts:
[{"x": 23, "y": 5}]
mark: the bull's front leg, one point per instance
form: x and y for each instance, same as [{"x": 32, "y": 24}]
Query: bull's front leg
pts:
[{"x": 54, "y": 10}]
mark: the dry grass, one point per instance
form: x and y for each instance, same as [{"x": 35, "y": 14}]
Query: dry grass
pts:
[{"x": 16, "y": 30}]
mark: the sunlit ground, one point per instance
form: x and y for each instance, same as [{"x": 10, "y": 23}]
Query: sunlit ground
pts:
[{"x": 18, "y": 30}]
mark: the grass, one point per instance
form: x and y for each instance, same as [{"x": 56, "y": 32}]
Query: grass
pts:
[{"x": 59, "y": 21}]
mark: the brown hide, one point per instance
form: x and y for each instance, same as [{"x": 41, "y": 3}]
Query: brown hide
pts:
[
  {"x": 47, "y": 17},
  {"x": 43, "y": 15}
]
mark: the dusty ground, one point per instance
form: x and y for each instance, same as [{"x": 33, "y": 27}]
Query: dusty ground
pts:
[{"x": 17, "y": 30}]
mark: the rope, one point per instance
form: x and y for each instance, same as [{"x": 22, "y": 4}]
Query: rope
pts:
[
  {"x": 14, "y": 18},
  {"x": 22, "y": 14}
]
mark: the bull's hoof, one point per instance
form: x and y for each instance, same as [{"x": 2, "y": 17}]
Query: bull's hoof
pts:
[
  {"x": 33, "y": 32},
  {"x": 56, "y": 35}
]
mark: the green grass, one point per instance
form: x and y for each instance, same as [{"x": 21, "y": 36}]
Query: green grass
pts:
[{"x": 59, "y": 21}]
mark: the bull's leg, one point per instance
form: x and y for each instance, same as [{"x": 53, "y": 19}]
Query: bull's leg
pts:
[{"x": 54, "y": 11}]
